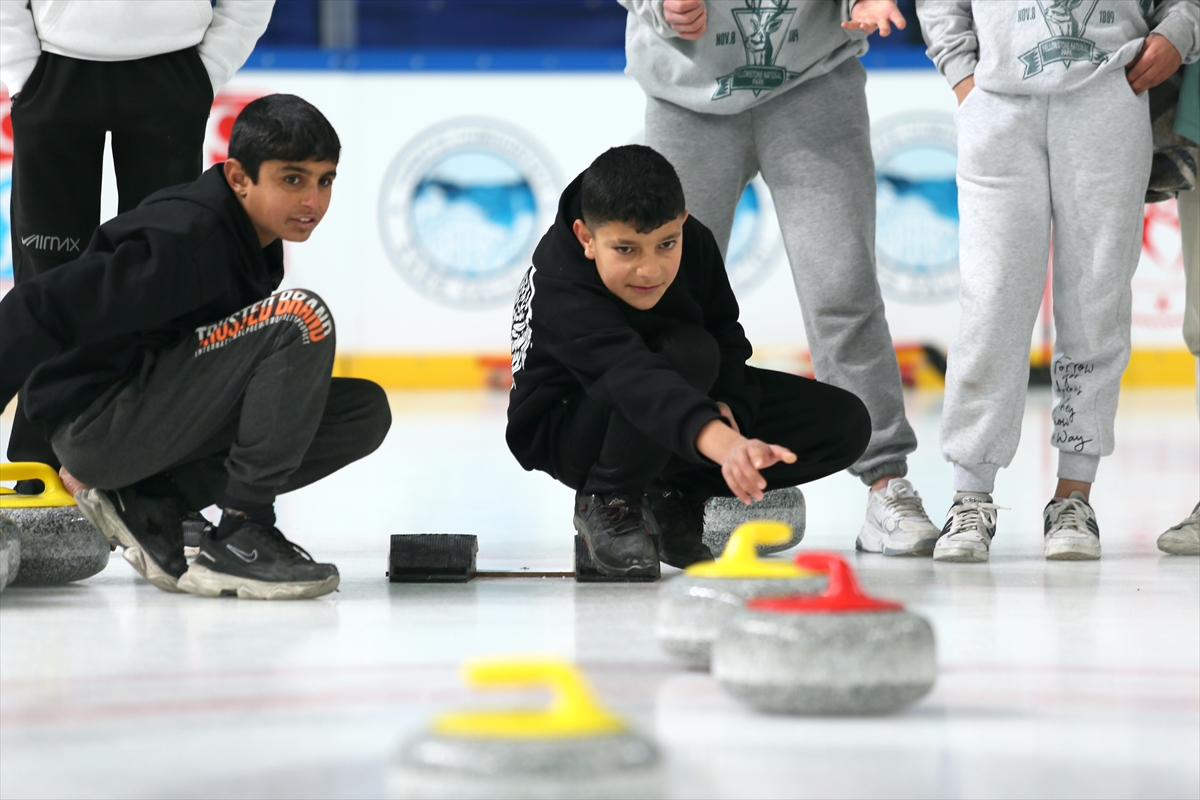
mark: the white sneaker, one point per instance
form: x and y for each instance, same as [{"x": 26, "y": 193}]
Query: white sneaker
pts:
[
  {"x": 897, "y": 524},
  {"x": 1071, "y": 530},
  {"x": 1184, "y": 538},
  {"x": 970, "y": 526}
]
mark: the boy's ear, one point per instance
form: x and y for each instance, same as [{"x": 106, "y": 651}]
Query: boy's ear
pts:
[
  {"x": 584, "y": 234},
  {"x": 237, "y": 178}
]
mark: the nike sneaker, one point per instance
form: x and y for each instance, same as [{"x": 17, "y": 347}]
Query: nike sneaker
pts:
[
  {"x": 680, "y": 522},
  {"x": 896, "y": 523},
  {"x": 1071, "y": 530},
  {"x": 259, "y": 563},
  {"x": 147, "y": 529},
  {"x": 616, "y": 534}
]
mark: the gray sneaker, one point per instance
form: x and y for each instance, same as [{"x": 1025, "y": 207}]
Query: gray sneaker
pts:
[
  {"x": 969, "y": 530},
  {"x": 1184, "y": 538},
  {"x": 1071, "y": 530},
  {"x": 896, "y": 523}
]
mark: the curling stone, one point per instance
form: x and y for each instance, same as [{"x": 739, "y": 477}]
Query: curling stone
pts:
[
  {"x": 572, "y": 749},
  {"x": 840, "y": 652},
  {"x": 692, "y": 606},
  {"x": 723, "y": 515},
  {"x": 10, "y": 551},
  {"x": 57, "y": 544}
]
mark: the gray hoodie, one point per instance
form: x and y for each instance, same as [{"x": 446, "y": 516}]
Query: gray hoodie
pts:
[
  {"x": 1048, "y": 46},
  {"x": 751, "y": 51}
]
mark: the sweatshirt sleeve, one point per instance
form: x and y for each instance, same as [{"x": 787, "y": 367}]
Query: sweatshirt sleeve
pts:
[
  {"x": 585, "y": 333},
  {"x": 139, "y": 285},
  {"x": 735, "y": 385},
  {"x": 1179, "y": 22},
  {"x": 19, "y": 44},
  {"x": 231, "y": 36},
  {"x": 651, "y": 13},
  {"x": 949, "y": 31}
]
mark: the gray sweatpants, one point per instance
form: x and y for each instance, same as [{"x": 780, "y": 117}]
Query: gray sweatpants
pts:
[
  {"x": 812, "y": 145},
  {"x": 243, "y": 409},
  {"x": 1079, "y": 160}
]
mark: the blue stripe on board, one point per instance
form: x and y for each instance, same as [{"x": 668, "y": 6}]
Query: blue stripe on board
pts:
[{"x": 389, "y": 60}]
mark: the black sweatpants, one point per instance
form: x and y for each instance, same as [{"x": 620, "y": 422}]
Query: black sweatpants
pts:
[
  {"x": 157, "y": 110},
  {"x": 244, "y": 409},
  {"x": 599, "y": 452}
]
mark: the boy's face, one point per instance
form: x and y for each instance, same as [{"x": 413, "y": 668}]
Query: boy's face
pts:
[
  {"x": 636, "y": 267},
  {"x": 288, "y": 200}
]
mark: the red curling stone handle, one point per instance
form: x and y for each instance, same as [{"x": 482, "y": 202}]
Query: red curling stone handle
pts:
[{"x": 842, "y": 593}]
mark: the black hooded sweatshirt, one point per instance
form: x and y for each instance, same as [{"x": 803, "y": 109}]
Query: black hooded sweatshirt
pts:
[
  {"x": 572, "y": 336},
  {"x": 187, "y": 256}
]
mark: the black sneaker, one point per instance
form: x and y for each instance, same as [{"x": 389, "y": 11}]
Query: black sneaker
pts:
[
  {"x": 258, "y": 563},
  {"x": 195, "y": 526},
  {"x": 681, "y": 526},
  {"x": 616, "y": 534},
  {"x": 148, "y": 529}
]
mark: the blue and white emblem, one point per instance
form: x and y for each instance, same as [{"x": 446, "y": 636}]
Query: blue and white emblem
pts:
[
  {"x": 462, "y": 207},
  {"x": 916, "y": 234}
]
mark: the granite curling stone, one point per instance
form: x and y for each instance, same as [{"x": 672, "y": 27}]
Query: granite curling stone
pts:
[
  {"x": 10, "y": 551},
  {"x": 841, "y": 652},
  {"x": 58, "y": 545},
  {"x": 692, "y": 606},
  {"x": 572, "y": 749},
  {"x": 723, "y": 515}
]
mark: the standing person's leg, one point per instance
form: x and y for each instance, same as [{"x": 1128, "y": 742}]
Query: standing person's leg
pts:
[
  {"x": 163, "y": 103},
  {"x": 814, "y": 146},
  {"x": 713, "y": 154},
  {"x": 1184, "y": 538},
  {"x": 1098, "y": 208},
  {"x": 1004, "y": 250},
  {"x": 58, "y": 155}
]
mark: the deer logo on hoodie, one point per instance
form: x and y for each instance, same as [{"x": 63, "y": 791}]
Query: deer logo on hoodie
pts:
[{"x": 764, "y": 25}]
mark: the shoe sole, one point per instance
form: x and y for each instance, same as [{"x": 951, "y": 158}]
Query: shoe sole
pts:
[
  {"x": 960, "y": 555},
  {"x": 872, "y": 540},
  {"x": 202, "y": 581},
  {"x": 1072, "y": 552},
  {"x": 603, "y": 569},
  {"x": 102, "y": 514}
]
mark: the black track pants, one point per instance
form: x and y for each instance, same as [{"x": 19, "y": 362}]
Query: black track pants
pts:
[
  {"x": 599, "y": 452},
  {"x": 242, "y": 410},
  {"x": 157, "y": 110}
]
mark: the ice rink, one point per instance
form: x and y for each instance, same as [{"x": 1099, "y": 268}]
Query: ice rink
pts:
[{"x": 1057, "y": 679}]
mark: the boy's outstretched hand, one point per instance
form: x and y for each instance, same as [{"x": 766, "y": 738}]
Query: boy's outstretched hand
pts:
[
  {"x": 688, "y": 18},
  {"x": 1155, "y": 62},
  {"x": 867, "y": 15},
  {"x": 741, "y": 458}
]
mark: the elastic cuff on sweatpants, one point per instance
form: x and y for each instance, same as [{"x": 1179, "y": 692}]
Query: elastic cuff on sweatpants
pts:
[
  {"x": 899, "y": 468},
  {"x": 975, "y": 477},
  {"x": 236, "y": 490},
  {"x": 1077, "y": 467}
]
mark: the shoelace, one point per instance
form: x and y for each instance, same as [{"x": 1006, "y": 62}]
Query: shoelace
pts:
[
  {"x": 1070, "y": 514},
  {"x": 905, "y": 505},
  {"x": 620, "y": 518},
  {"x": 286, "y": 546},
  {"x": 968, "y": 517}
]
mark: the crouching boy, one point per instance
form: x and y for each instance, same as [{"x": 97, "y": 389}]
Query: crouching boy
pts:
[
  {"x": 630, "y": 382},
  {"x": 170, "y": 378}
]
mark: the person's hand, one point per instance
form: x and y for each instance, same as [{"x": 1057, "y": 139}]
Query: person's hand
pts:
[
  {"x": 741, "y": 459},
  {"x": 727, "y": 413},
  {"x": 688, "y": 18},
  {"x": 963, "y": 88},
  {"x": 867, "y": 15},
  {"x": 70, "y": 482},
  {"x": 1155, "y": 62}
]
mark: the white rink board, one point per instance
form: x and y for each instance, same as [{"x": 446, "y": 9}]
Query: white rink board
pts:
[{"x": 570, "y": 118}]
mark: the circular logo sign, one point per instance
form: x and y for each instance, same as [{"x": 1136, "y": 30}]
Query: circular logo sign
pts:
[
  {"x": 916, "y": 234},
  {"x": 462, "y": 207},
  {"x": 754, "y": 240}
]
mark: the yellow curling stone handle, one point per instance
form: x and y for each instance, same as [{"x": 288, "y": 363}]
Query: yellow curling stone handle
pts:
[
  {"x": 740, "y": 559},
  {"x": 574, "y": 710},
  {"x": 55, "y": 495}
]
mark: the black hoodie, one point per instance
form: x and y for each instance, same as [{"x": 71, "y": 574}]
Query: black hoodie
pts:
[
  {"x": 187, "y": 256},
  {"x": 571, "y": 336}
]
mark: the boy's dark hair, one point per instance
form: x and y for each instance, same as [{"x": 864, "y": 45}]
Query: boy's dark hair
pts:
[
  {"x": 283, "y": 127},
  {"x": 633, "y": 184}
]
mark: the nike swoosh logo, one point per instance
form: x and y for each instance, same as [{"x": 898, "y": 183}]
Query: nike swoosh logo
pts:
[{"x": 242, "y": 554}]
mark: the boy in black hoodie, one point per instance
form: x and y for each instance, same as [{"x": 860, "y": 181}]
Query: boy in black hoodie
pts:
[
  {"x": 169, "y": 377},
  {"x": 630, "y": 382}
]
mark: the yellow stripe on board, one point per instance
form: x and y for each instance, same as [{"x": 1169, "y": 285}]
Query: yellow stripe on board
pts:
[{"x": 1147, "y": 369}]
